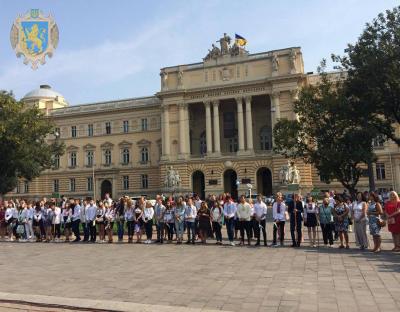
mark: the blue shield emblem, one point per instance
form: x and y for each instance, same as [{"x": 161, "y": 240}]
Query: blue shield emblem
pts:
[{"x": 35, "y": 36}]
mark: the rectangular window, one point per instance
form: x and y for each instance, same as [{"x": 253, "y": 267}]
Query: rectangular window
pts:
[
  {"x": 73, "y": 131},
  {"x": 56, "y": 185},
  {"x": 144, "y": 124},
  {"x": 26, "y": 187},
  {"x": 126, "y": 126},
  {"x": 107, "y": 157},
  {"x": 90, "y": 130},
  {"x": 89, "y": 158},
  {"x": 145, "y": 181},
  {"x": 72, "y": 159},
  {"x": 72, "y": 184},
  {"x": 56, "y": 161},
  {"x": 18, "y": 188},
  {"x": 89, "y": 184},
  {"x": 125, "y": 182},
  {"x": 108, "y": 127},
  {"x": 380, "y": 171}
]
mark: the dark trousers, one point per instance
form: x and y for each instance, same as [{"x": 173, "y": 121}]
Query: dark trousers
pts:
[
  {"x": 160, "y": 231},
  {"x": 120, "y": 230},
  {"x": 170, "y": 230},
  {"x": 57, "y": 230},
  {"x": 293, "y": 224},
  {"x": 130, "y": 225},
  {"x": 260, "y": 226},
  {"x": 327, "y": 233},
  {"x": 149, "y": 229},
  {"x": 75, "y": 229},
  {"x": 244, "y": 226},
  {"x": 230, "y": 227},
  {"x": 191, "y": 229},
  {"x": 279, "y": 226},
  {"x": 86, "y": 232},
  {"x": 92, "y": 231},
  {"x": 217, "y": 231}
]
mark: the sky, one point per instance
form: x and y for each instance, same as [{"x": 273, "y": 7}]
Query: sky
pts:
[{"x": 114, "y": 49}]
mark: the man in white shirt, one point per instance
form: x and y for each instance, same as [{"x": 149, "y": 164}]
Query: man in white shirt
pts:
[
  {"x": 85, "y": 225},
  {"x": 278, "y": 214},
  {"x": 229, "y": 217},
  {"x": 76, "y": 220},
  {"x": 260, "y": 213},
  {"x": 244, "y": 215},
  {"x": 190, "y": 219}
]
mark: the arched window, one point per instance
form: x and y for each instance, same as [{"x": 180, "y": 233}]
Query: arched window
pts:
[
  {"x": 107, "y": 157},
  {"x": 125, "y": 156},
  {"x": 265, "y": 139},
  {"x": 203, "y": 144},
  {"x": 144, "y": 155}
]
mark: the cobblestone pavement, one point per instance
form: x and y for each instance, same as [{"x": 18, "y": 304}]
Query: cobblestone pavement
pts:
[{"x": 203, "y": 277}]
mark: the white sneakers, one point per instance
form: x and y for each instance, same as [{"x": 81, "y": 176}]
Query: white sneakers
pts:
[{"x": 148, "y": 241}]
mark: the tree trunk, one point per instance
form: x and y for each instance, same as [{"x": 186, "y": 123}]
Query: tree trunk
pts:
[{"x": 371, "y": 177}]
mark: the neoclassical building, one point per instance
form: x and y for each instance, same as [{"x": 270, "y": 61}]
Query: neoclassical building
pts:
[{"x": 211, "y": 121}]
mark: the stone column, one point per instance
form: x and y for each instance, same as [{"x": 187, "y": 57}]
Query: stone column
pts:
[
  {"x": 275, "y": 111},
  {"x": 249, "y": 124},
  {"x": 187, "y": 128},
  {"x": 217, "y": 144},
  {"x": 240, "y": 123},
  {"x": 294, "y": 94},
  {"x": 208, "y": 128},
  {"x": 165, "y": 144},
  {"x": 182, "y": 132}
]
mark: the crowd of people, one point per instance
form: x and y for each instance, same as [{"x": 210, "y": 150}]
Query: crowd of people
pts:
[{"x": 245, "y": 221}]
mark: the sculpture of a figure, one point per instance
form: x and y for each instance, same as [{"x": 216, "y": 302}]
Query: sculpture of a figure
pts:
[
  {"x": 292, "y": 60},
  {"x": 275, "y": 63},
  {"x": 235, "y": 50},
  {"x": 284, "y": 174},
  {"x": 213, "y": 53},
  {"x": 172, "y": 179},
  {"x": 224, "y": 42},
  {"x": 295, "y": 175},
  {"x": 164, "y": 78},
  {"x": 180, "y": 78}
]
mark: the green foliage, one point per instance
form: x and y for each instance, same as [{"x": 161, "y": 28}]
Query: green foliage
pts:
[
  {"x": 327, "y": 133},
  {"x": 373, "y": 66},
  {"x": 24, "y": 149}
]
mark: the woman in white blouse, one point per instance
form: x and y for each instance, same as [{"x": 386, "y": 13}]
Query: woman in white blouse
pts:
[
  {"x": 310, "y": 220},
  {"x": 359, "y": 214},
  {"x": 279, "y": 216}
]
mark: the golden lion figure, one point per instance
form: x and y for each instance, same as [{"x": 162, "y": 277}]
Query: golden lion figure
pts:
[{"x": 33, "y": 36}]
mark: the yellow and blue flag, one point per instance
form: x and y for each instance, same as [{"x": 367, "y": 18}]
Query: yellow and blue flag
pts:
[{"x": 240, "y": 40}]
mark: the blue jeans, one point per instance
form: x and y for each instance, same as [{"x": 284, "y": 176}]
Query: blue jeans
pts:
[
  {"x": 179, "y": 227},
  {"x": 191, "y": 227},
  {"x": 120, "y": 230},
  {"x": 230, "y": 228},
  {"x": 160, "y": 231}
]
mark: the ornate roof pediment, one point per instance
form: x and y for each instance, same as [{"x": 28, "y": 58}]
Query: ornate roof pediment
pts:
[
  {"x": 125, "y": 143},
  {"x": 89, "y": 146},
  {"x": 72, "y": 148},
  {"x": 143, "y": 142},
  {"x": 107, "y": 145}
]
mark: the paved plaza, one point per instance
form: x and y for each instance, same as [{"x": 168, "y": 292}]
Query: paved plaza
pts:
[{"x": 137, "y": 277}]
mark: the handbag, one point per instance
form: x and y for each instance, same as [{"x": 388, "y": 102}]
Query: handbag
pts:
[
  {"x": 20, "y": 229},
  {"x": 381, "y": 222}
]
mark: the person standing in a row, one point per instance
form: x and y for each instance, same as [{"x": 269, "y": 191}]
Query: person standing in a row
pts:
[
  {"x": 279, "y": 216},
  {"x": 229, "y": 217},
  {"x": 295, "y": 210},
  {"x": 326, "y": 222},
  {"x": 260, "y": 213},
  {"x": 244, "y": 215}
]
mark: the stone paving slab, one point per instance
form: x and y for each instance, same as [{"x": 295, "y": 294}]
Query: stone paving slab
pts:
[{"x": 204, "y": 277}]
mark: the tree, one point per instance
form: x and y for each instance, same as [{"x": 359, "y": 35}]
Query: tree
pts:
[
  {"x": 327, "y": 133},
  {"x": 24, "y": 149},
  {"x": 373, "y": 66}
]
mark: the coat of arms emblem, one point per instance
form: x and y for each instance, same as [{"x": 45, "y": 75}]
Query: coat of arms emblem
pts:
[{"x": 34, "y": 36}]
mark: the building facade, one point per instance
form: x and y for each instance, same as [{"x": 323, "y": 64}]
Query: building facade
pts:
[{"x": 211, "y": 122}]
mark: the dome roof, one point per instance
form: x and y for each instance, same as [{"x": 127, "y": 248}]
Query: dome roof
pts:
[{"x": 44, "y": 91}]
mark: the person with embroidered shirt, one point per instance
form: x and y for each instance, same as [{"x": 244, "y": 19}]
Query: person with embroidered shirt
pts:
[
  {"x": 216, "y": 219},
  {"x": 190, "y": 219},
  {"x": 169, "y": 220},
  {"x": 279, "y": 216},
  {"x": 148, "y": 214},
  {"x": 129, "y": 217},
  {"x": 392, "y": 211},
  {"x": 244, "y": 216},
  {"x": 310, "y": 220},
  {"x": 260, "y": 216},
  {"x": 180, "y": 209},
  {"x": 229, "y": 217},
  {"x": 326, "y": 221},
  {"x": 359, "y": 214},
  {"x": 159, "y": 211}
]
